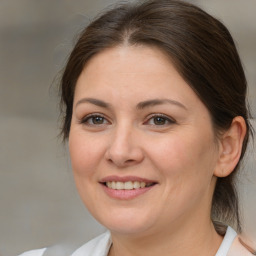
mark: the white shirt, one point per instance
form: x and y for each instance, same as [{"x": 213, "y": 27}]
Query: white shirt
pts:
[{"x": 100, "y": 246}]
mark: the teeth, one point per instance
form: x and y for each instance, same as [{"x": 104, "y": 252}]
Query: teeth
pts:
[
  {"x": 113, "y": 184},
  {"x": 128, "y": 185},
  {"x": 119, "y": 185},
  {"x": 136, "y": 184},
  {"x": 142, "y": 184}
]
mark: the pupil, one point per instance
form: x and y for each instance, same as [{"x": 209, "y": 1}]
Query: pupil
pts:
[
  {"x": 98, "y": 120},
  {"x": 159, "y": 120}
]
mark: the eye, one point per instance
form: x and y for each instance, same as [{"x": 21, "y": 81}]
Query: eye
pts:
[
  {"x": 94, "y": 119},
  {"x": 160, "y": 120}
]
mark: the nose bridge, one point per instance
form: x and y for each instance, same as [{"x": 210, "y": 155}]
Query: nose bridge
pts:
[
  {"x": 122, "y": 134},
  {"x": 124, "y": 147}
]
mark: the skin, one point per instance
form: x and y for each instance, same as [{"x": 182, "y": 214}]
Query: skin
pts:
[{"x": 180, "y": 153}]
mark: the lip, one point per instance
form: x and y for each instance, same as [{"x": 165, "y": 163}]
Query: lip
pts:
[
  {"x": 125, "y": 178},
  {"x": 124, "y": 194}
]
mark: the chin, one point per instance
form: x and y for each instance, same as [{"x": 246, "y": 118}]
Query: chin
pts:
[
  {"x": 126, "y": 224},
  {"x": 127, "y": 229}
]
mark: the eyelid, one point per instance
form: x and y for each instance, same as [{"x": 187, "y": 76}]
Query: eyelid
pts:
[
  {"x": 84, "y": 119},
  {"x": 168, "y": 118}
]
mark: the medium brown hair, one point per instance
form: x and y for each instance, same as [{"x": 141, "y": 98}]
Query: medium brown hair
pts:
[{"x": 203, "y": 52}]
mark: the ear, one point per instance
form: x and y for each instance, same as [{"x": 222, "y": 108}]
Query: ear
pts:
[{"x": 231, "y": 143}]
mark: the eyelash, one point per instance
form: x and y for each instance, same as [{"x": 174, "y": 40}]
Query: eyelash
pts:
[
  {"x": 86, "y": 119},
  {"x": 167, "y": 120},
  {"x": 163, "y": 117}
]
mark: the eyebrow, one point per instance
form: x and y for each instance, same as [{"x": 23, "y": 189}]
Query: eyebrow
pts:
[
  {"x": 155, "y": 102},
  {"x": 141, "y": 105},
  {"x": 93, "y": 101}
]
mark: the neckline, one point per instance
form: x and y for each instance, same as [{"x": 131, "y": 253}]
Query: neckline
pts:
[
  {"x": 223, "y": 249},
  {"x": 227, "y": 242}
]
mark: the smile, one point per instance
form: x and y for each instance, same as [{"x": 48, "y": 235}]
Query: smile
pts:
[
  {"x": 128, "y": 185},
  {"x": 126, "y": 188}
]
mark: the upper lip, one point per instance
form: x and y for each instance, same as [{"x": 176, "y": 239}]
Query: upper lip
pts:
[{"x": 125, "y": 179}]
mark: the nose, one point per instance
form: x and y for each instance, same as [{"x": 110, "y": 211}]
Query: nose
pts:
[{"x": 124, "y": 148}]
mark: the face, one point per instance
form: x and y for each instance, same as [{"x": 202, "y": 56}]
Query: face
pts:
[{"x": 142, "y": 145}]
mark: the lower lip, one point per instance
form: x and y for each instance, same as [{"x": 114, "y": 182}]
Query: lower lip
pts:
[{"x": 125, "y": 194}]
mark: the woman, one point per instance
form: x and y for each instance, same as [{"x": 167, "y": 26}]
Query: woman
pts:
[{"x": 155, "y": 114}]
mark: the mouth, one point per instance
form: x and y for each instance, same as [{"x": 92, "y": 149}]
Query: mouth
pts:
[
  {"x": 125, "y": 188},
  {"x": 128, "y": 185}
]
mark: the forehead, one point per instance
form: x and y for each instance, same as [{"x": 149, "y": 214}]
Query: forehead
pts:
[
  {"x": 132, "y": 69},
  {"x": 131, "y": 59}
]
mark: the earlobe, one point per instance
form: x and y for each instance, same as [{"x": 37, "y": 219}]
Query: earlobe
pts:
[{"x": 231, "y": 147}]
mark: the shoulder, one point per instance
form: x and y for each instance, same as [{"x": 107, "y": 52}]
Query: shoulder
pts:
[
  {"x": 238, "y": 249},
  {"x": 98, "y": 246},
  {"x": 227, "y": 242},
  {"x": 231, "y": 245},
  {"x": 38, "y": 252}
]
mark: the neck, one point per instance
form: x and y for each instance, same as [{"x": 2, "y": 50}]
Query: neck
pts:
[{"x": 200, "y": 240}]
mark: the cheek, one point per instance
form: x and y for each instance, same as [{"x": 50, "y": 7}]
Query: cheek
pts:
[
  {"x": 85, "y": 159},
  {"x": 84, "y": 153},
  {"x": 186, "y": 164},
  {"x": 187, "y": 157},
  {"x": 172, "y": 151}
]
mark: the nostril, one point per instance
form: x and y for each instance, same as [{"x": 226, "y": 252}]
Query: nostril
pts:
[
  {"x": 123, "y": 158},
  {"x": 120, "y": 162}
]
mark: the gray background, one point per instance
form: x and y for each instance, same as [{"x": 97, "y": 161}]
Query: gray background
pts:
[{"x": 39, "y": 205}]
